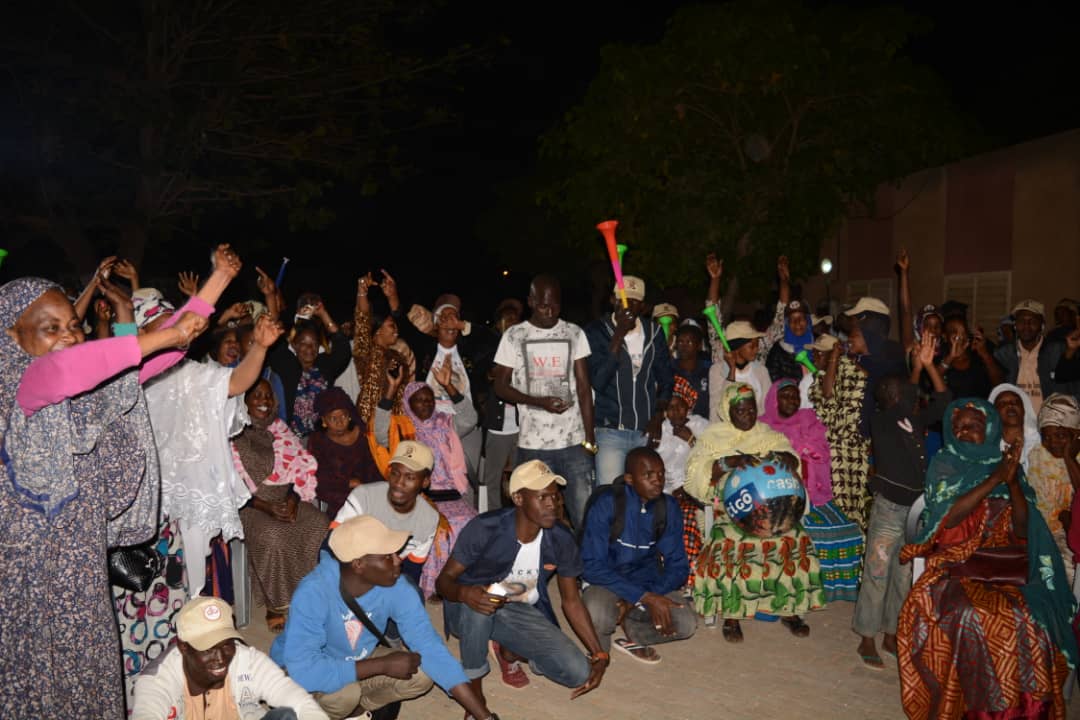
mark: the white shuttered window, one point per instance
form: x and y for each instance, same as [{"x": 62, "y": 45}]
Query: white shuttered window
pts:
[{"x": 988, "y": 296}]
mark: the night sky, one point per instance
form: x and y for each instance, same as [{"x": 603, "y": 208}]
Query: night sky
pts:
[{"x": 1009, "y": 69}]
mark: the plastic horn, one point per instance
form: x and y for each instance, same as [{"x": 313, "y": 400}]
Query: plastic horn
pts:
[
  {"x": 3, "y": 254},
  {"x": 803, "y": 358},
  {"x": 710, "y": 312},
  {"x": 622, "y": 251},
  {"x": 281, "y": 271},
  {"x": 607, "y": 229},
  {"x": 665, "y": 322}
]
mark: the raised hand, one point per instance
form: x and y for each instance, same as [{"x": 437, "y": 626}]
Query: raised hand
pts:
[
  {"x": 389, "y": 287},
  {"x": 119, "y": 300},
  {"x": 189, "y": 327},
  {"x": 925, "y": 351},
  {"x": 188, "y": 283},
  {"x": 236, "y": 311},
  {"x": 267, "y": 331},
  {"x": 714, "y": 266},
  {"x": 783, "y": 269},
  {"x": 364, "y": 284},
  {"x": 444, "y": 372},
  {"x": 105, "y": 268},
  {"x": 126, "y": 269},
  {"x": 265, "y": 283},
  {"x": 903, "y": 261},
  {"x": 226, "y": 261}
]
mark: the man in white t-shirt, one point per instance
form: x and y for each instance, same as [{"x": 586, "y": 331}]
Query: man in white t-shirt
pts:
[
  {"x": 541, "y": 368},
  {"x": 398, "y": 505},
  {"x": 739, "y": 366}
]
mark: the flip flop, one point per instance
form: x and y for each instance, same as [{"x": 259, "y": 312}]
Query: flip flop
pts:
[
  {"x": 873, "y": 662},
  {"x": 275, "y": 623},
  {"x": 733, "y": 632},
  {"x": 641, "y": 653}
]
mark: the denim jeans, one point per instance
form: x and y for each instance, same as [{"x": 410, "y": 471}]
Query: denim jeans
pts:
[
  {"x": 885, "y": 582},
  {"x": 523, "y": 630},
  {"x": 614, "y": 445},
  {"x": 280, "y": 714},
  {"x": 603, "y": 608},
  {"x": 574, "y": 463}
]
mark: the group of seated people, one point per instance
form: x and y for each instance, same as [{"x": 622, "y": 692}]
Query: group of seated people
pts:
[{"x": 669, "y": 472}]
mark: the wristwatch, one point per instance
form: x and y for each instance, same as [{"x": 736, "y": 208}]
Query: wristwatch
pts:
[{"x": 591, "y": 447}]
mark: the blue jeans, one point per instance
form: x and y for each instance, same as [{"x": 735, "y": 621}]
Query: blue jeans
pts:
[
  {"x": 574, "y": 463},
  {"x": 885, "y": 581},
  {"x": 280, "y": 714},
  {"x": 614, "y": 445},
  {"x": 523, "y": 630}
]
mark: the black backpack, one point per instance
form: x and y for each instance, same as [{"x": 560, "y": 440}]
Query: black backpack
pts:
[{"x": 618, "y": 521}]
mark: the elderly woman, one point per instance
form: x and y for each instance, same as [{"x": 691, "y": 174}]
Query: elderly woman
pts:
[
  {"x": 838, "y": 541},
  {"x": 282, "y": 529},
  {"x": 76, "y": 482},
  {"x": 838, "y": 394},
  {"x": 1019, "y": 421},
  {"x": 449, "y": 488},
  {"x": 341, "y": 448},
  {"x": 993, "y": 592},
  {"x": 740, "y": 574},
  {"x": 1054, "y": 468}
]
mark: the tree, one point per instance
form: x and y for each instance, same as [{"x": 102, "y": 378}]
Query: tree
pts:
[
  {"x": 749, "y": 130},
  {"x": 138, "y": 117}
]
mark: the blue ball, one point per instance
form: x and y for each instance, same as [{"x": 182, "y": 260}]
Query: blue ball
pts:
[{"x": 764, "y": 500}]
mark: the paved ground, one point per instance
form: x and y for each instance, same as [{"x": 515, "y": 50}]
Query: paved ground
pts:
[{"x": 770, "y": 675}]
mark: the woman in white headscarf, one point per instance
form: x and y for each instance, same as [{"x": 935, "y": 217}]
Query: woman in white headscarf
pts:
[
  {"x": 1019, "y": 421},
  {"x": 1054, "y": 468}
]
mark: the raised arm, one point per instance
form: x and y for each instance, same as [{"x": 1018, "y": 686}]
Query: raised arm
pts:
[
  {"x": 244, "y": 375},
  {"x": 907, "y": 328}
]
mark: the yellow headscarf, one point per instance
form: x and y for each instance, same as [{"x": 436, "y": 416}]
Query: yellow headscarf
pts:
[{"x": 722, "y": 439}]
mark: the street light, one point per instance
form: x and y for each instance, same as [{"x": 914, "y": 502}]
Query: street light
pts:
[{"x": 826, "y": 270}]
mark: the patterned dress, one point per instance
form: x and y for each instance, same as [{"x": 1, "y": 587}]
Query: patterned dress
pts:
[{"x": 841, "y": 414}]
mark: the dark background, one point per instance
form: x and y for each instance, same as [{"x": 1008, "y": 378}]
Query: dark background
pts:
[{"x": 1009, "y": 67}]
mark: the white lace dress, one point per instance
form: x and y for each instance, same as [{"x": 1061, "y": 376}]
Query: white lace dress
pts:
[{"x": 193, "y": 419}]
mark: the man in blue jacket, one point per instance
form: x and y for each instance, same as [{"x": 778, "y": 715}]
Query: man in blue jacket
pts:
[
  {"x": 635, "y": 568},
  {"x": 631, "y": 373},
  {"x": 334, "y": 655}
]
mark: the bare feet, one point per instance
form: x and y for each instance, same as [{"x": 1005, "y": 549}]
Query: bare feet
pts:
[{"x": 888, "y": 644}]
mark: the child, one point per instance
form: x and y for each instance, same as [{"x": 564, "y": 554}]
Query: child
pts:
[
  {"x": 898, "y": 434},
  {"x": 678, "y": 434}
]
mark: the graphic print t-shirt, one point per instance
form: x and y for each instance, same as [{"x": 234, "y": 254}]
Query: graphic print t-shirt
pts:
[
  {"x": 525, "y": 574},
  {"x": 542, "y": 361}
]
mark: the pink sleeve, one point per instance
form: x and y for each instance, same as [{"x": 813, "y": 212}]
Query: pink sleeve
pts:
[
  {"x": 162, "y": 361},
  {"x": 64, "y": 374}
]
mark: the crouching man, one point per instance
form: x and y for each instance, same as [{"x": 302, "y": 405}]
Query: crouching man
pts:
[
  {"x": 333, "y": 644},
  {"x": 211, "y": 673}
]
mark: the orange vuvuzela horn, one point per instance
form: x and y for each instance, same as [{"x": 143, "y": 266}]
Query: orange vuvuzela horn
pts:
[{"x": 607, "y": 229}]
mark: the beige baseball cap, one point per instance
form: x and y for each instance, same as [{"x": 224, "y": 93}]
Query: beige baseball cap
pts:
[
  {"x": 634, "y": 286},
  {"x": 868, "y": 304},
  {"x": 204, "y": 622},
  {"x": 533, "y": 475},
  {"x": 825, "y": 343},
  {"x": 414, "y": 455},
  {"x": 741, "y": 330},
  {"x": 1031, "y": 306},
  {"x": 814, "y": 320},
  {"x": 365, "y": 535},
  {"x": 665, "y": 309}
]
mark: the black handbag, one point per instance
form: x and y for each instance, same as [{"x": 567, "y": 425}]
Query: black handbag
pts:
[{"x": 134, "y": 567}]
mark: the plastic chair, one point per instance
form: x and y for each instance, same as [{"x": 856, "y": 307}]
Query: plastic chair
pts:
[
  {"x": 241, "y": 583},
  {"x": 911, "y": 532}
]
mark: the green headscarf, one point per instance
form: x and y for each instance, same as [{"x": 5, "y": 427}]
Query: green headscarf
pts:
[{"x": 957, "y": 469}]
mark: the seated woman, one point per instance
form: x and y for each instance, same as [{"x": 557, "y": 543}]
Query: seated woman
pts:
[
  {"x": 340, "y": 446},
  {"x": 838, "y": 541},
  {"x": 449, "y": 487},
  {"x": 678, "y": 435},
  {"x": 282, "y": 529},
  {"x": 1054, "y": 468},
  {"x": 740, "y": 574},
  {"x": 994, "y": 589}
]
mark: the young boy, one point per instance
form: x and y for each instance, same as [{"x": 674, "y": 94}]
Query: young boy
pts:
[{"x": 898, "y": 434}]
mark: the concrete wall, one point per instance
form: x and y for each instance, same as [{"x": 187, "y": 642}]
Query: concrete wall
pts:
[{"x": 1016, "y": 210}]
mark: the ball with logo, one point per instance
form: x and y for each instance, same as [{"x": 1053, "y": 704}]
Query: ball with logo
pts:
[{"x": 764, "y": 500}]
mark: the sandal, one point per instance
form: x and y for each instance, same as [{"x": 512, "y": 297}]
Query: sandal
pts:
[
  {"x": 795, "y": 624},
  {"x": 874, "y": 662},
  {"x": 641, "y": 653},
  {"x": 733, "y": 631}
]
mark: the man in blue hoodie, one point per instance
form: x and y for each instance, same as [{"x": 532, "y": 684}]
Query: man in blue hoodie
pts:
[
  {"x": 631, "y": 373},
  {"x": 334, "y": 655},
  {"x": 636, "y": 565}
]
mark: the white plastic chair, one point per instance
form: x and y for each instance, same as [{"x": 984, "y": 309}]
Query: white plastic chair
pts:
[
  {"x": 911, "y": 532},
  {"x": 241, "y": 583}
]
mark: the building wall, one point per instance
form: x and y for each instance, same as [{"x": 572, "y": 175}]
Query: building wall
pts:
[{"x": 1016, "y": 210}]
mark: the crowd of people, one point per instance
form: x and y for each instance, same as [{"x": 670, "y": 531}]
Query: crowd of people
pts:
[{"x": 671, "y": 472}]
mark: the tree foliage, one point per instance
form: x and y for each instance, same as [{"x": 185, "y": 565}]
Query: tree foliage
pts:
[
  {"x": 140, "y": 116},
  {"x": 749, "y": 130}
]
